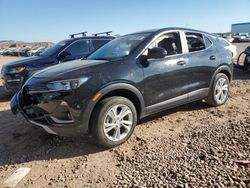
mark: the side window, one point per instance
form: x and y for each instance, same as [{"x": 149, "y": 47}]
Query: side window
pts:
[
  {"x": 208, "y": 42},
  {"x": 195, "y": 42},
  {"x": 170, "y": 41},
  {"x": 79, "y": 47},
  {"x": 98, "y": 43}
]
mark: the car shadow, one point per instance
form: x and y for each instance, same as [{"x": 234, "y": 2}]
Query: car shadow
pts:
[
  {"x": 21, "y": 142},
  {"x": 239, "y": 74}
]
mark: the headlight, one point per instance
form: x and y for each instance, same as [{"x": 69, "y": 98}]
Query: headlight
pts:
[
  {"x": 66, "y": 85},
  {"x": 16, "y": 70}
]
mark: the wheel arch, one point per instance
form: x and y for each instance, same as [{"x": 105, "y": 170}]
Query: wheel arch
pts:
[
  {"x": 227, "y": 73},
  {"x": 117, "y": 89},
  {"x": 225, "y": 69}
]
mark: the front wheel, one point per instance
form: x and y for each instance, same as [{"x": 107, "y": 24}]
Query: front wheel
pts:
[
  {"x": 220, "y": 90},
  {"x": 113, "y": 121}
]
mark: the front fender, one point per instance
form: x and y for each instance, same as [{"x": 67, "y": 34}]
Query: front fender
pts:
[{"x": 86, "y": 115}]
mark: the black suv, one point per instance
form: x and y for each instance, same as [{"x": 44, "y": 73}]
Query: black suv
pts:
[
  {"x": 15, "y": 74},
  {"x": 129, "y": 78}
]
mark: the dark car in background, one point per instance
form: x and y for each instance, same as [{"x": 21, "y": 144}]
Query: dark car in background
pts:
[
  {"x": 15, "y": 74},
  {"x": 129, "y": 78}
]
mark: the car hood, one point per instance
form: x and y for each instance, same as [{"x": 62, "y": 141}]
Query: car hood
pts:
[
  {"x": 29, "y": 61},
  {"x": 71, "y": 69}
]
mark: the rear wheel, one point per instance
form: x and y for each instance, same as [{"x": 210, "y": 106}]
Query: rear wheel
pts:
[
  {"x": 113, "y": 121},
  {"x": 220, "y": 90}
]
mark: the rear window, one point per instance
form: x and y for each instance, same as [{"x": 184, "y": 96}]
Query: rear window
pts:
[
  {"x": 79, "y": 47},
  {"x": 98, "y": 43},
  {"x": 195, "y": 42}
]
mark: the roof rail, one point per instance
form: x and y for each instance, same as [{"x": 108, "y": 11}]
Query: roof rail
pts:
[
  {"x": 81, "y": 33},
  {"x": 107, "y": 33}
]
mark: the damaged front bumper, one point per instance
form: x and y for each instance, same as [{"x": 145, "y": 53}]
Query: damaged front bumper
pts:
[
  {"x": 49, "y": 111},
  {"x": 15, "y": 109}
]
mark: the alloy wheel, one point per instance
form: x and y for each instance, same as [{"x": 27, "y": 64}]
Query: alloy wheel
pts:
[
  {"x": 118, "y": 122},
  {"x": 221, "y": 90}
]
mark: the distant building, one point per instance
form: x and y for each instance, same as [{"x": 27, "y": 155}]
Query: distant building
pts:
[{"x": 240, "y": 28}]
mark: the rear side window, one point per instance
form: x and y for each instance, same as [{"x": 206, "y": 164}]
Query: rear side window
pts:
[
  {"x": 208, "y": 42},
  {"x": 79, "y": 47},
  {"x": 195, "y": 42},
  {"x": 98, "y": 43}
]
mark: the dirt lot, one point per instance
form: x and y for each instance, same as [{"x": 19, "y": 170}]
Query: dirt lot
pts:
[{"x": 191, "y": 146}]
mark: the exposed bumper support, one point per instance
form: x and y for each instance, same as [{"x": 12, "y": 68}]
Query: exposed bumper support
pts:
[{"x": 46, "y": 128}]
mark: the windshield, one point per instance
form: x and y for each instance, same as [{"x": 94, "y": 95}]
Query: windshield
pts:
[
  {"x": 118, "y": 48},
  {"x": 54, "y": 49}
]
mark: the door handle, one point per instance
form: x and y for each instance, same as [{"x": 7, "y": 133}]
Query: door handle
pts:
[
  {"x": 212, "y": 57},
  {"x": 181, "y": 63}
]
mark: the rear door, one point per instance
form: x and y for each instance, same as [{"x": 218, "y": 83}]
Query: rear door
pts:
[{"x": 203, "y": 60}]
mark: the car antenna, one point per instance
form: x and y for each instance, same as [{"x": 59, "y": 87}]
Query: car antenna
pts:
[
  {"x": 81, "y": 33},
  {"x": 106, "y": 32}
]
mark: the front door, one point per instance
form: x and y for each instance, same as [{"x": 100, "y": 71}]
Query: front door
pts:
[{"x": 167, "y": 79}]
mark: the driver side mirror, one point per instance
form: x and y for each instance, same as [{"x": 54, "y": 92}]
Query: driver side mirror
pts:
[
  {"x": 156, "y": 53},
  {"x": 64, "y": 54}
]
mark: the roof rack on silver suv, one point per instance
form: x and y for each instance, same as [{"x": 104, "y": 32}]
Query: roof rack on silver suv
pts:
[
  {"x": 107, "y": 33},
  {"x": 81, "y": 33}
]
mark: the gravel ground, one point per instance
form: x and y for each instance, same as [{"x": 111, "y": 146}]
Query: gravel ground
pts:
[
  {"x": 190, "y": 146},
  {"x": 199, "y": 157}
]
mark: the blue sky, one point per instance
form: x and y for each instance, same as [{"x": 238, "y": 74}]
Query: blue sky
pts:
[{"x": 54, "y": 20}]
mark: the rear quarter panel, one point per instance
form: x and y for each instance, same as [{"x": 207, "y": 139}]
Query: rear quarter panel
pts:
[{"x": 225, "y": 55}]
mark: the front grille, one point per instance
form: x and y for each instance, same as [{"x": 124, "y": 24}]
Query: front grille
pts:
[{"x": 36, "y": 88}]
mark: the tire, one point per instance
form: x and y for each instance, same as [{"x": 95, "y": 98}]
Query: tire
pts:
[
  {"x": 219, "y": 92},
  {"x": 104, "y": 118}
]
